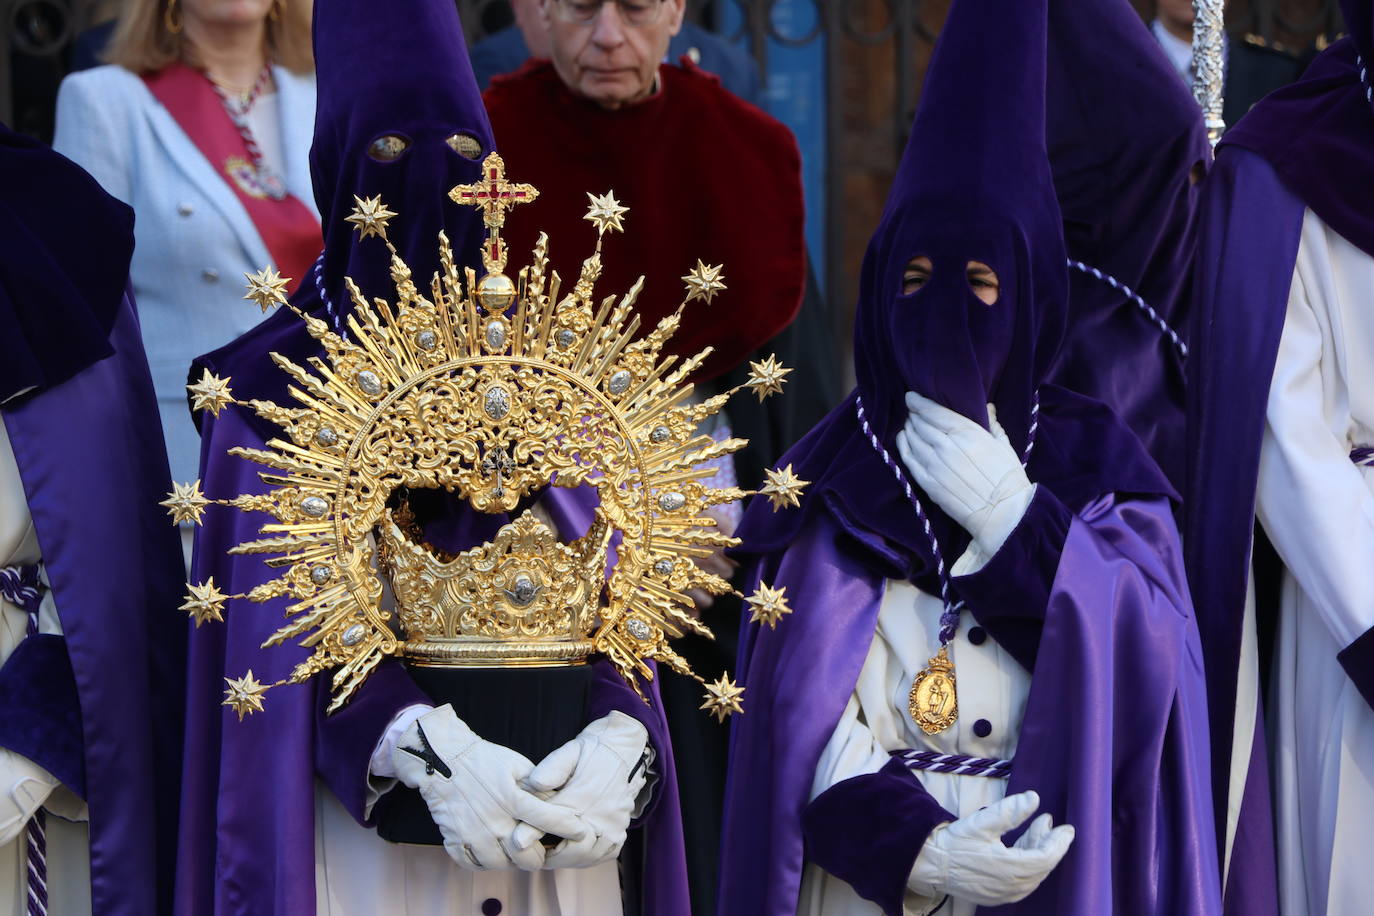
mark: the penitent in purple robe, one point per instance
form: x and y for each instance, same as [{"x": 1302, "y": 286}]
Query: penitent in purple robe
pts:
[
  {"x": 98, "y": 707},
  {"x": 1307, "y": 145},
  {"x": 1087, "y": 594},
  {"x": 248, "y": 810}
]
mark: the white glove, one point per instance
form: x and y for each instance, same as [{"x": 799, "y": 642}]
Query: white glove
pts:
[
  {"x": 967, "y": 859},
  {"x": 971, "y": 473},
  {"x": 474, "y": 793},
  {"x": 599, "y": 774},
  {"x": 29, "y": 786}
]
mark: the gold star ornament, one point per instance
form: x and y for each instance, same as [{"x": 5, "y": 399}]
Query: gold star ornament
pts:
[
  {"x": 723, "y": 698},
  {"x": 244, "y": 694},
  {"x": 704, "y": 282},
  {"x": 370, "y": 216},
  {"x": 766, "y": 377},
  {"x": 205, "y": 601},
  {"x": 186, "y": 503},
  {"x": 783, "y": 488},
  {"x": 210, "y": 393},
  {"x": 606, "y": 212},
  {"x": 267, "y": 288},
  {"x": 768, "y": 605}
]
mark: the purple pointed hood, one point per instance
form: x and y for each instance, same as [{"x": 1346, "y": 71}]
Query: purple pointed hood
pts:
[
  {"x": 394, "y": 70},
  {"x": 396, "y": 102},
  {"x": 1318, "y": 133},
  {"x": 974, "y": 184}
]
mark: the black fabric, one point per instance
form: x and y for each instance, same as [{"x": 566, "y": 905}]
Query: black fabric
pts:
[
  {"x": 496, "y": 703},
  {"x": 67, "y": 246}
]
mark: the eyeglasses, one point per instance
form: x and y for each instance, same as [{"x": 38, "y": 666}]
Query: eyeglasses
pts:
[{"x": 633, "y": 12}]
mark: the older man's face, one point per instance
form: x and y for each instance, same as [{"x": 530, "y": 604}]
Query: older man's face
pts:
[{"x": 609, "y": 52}]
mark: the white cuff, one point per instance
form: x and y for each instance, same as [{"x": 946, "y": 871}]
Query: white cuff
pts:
[{"x": 381, "y": 770}]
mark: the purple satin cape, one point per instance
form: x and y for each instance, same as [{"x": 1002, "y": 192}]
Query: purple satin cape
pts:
[
  {"x": 248, "y": 810},
  {"x": 1114, "y": 736},
  {"x": 1249, "y": 243},
  {"x": 93, "y": 463}
]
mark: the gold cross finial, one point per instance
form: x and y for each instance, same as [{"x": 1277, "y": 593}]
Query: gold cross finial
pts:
[{"x": 494, "y": 196}]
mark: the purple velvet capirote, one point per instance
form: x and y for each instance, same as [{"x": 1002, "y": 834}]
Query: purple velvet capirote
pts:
[
  {"x": 1127, "y": 145},
  {"x": 247, "y": 841},
  {"x": 99, "y": 706},
  {"x": 1088, "y": 591}
]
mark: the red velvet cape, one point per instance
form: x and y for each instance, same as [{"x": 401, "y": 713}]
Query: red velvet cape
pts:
[{"x": 705, "y": 175}]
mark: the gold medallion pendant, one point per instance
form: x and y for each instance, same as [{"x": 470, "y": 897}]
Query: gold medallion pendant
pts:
[{"x": 933, "y": 701}]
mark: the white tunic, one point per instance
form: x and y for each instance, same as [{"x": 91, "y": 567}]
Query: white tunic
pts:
[
  {"x": 992, "y": 688},
  {"x": 357, "y": 873},
  {"x": 1318, "y": 509},
  {"x": 69, "y": 875}
]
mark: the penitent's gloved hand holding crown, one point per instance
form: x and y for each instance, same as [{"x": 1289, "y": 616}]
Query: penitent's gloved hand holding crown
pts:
[{"x": 475, "y": 793}]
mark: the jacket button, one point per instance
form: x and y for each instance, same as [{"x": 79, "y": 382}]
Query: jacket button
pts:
[
  {"x": 185, "y": 209},
  {"x": 210, "y": 275},
  {"x": 977, "y": 635},
  {"x": 491, "y": 907},
  {"x": 982, "y": 728}
]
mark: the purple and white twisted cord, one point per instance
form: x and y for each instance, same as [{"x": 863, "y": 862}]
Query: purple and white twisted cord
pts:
[
  {"x": 956, "y": 764},
  {"x": 949, "y": 618},
  {"x": 36, "y": 862},
  {"x": 22, "y": 586},
  {"x": 1362, "y": 456},
  {"x": 1144, "y": 306},
  {"x": 1364, "y": 81},
  {"x": 335, "y": 319}
]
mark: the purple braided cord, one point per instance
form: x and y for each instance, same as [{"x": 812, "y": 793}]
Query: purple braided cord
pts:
[
  {"x": 949, "y": 618},
  {"x": 957, "y": 764},
  {"x": 1140, "y": 303},
  {"x": 335, "y": 318},
  {"x": 1362, "y": 455},
  {"x": 1364, "y": 81},
  {"x": 37, "y": 855},
  {"x": 23, "y": 587}
]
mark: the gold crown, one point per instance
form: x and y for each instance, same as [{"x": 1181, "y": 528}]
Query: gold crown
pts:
[{"x": 490, "y": 389}]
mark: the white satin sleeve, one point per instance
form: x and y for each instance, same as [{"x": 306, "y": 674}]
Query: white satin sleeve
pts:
[{"x": 1315, "y": 504}]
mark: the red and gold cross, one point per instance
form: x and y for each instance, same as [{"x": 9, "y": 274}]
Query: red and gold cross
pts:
[{"x": 493, "y": 195}]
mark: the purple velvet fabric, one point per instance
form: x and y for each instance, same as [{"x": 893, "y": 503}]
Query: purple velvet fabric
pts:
[
  {"x": 869, "y": 829},
  {"x": 92, "y": 459},
  {"x": 1248, "y": 246},
  {"x": 62, "y": 279},
  {"x": 1125, "y": 138},
  {"x": 42, "y": 718},
  {"x": 1114, "y": 736},
  {"x": 1318, "y": 133}
]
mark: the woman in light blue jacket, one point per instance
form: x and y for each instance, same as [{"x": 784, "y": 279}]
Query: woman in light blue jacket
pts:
[{"x": 202, "y": 124}]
